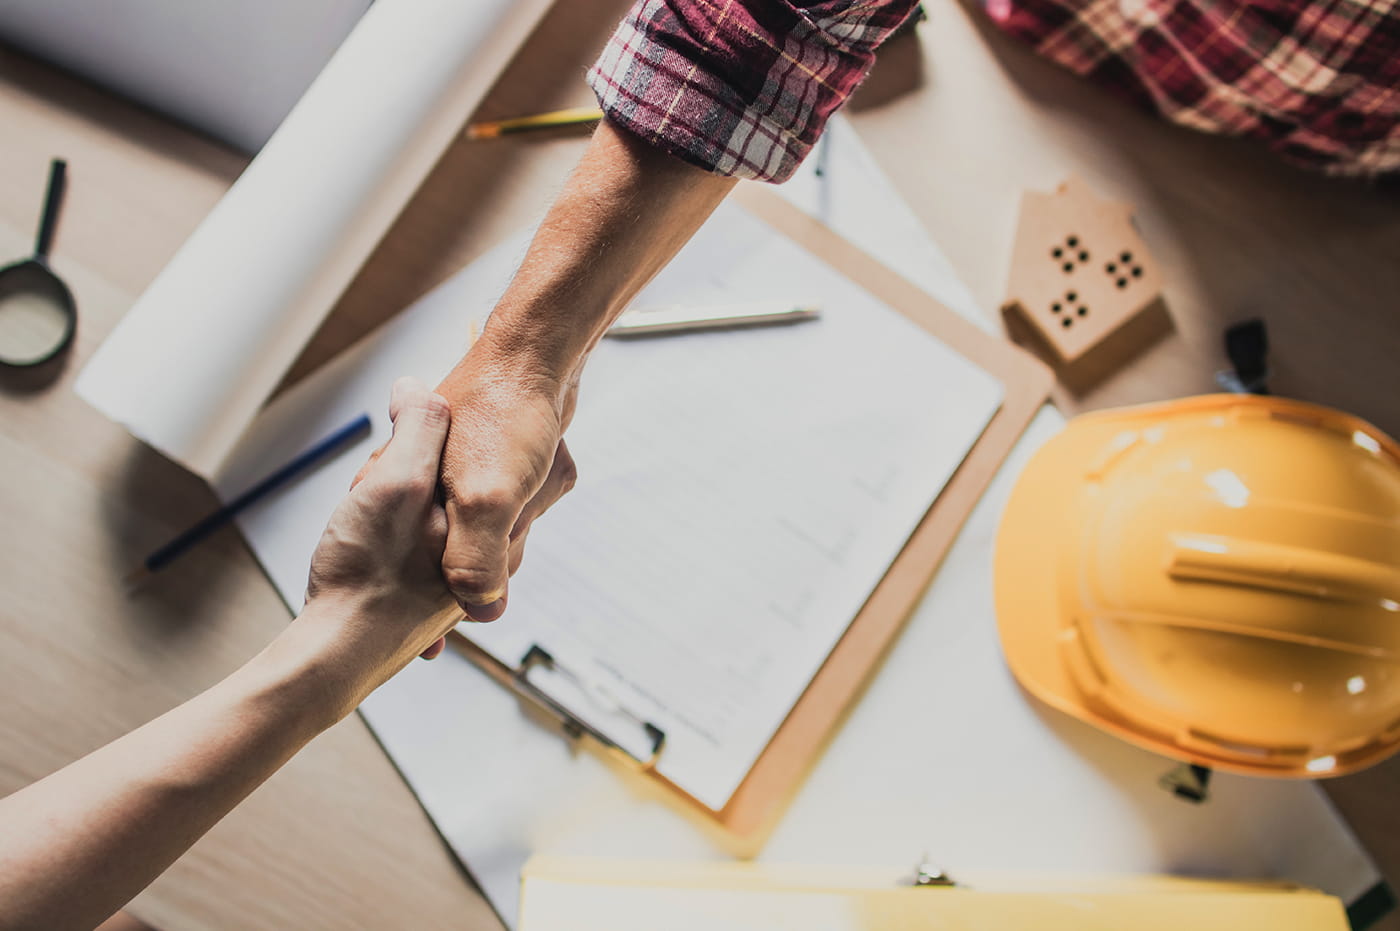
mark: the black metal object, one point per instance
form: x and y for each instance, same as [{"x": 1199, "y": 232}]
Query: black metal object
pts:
[
  {"x": 33, "y": 279},
  {"x": 1247, "y": 348},
  {"x": 1188, "y": 781},
  {"x": 573, "y": 725}
]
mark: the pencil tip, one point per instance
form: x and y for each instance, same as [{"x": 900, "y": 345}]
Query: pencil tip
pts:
[
  {"x": 482, "y": 131},
  {"x": 136, "y": 577}
]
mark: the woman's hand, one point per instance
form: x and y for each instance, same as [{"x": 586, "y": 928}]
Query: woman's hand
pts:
[
  {"x": 376, "y": 596},
  {"x": 78, "y": 844}
]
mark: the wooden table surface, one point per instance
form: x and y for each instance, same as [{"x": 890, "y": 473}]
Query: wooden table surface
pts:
[{"x": 961, "y": 118}]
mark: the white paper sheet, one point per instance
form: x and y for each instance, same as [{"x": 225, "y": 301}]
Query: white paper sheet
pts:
[
  {"x": 742, "y": 493},
  {"x": 745, "y": 487},
  {"x": 232, "y": 310},
  {"x": 232, "y": 70},
  {"x": 1009, "y": 785}
]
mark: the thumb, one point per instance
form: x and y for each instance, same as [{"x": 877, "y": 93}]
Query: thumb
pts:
[
  {"x": 413, "y": 453},
  {"x": 478, "y": 547}
]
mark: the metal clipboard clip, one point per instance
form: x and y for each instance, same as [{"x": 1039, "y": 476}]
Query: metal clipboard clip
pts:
[{"x": 570, "y": 723}]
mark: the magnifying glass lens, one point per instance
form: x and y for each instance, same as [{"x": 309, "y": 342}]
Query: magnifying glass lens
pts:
[{"x": 36, "y": 316}]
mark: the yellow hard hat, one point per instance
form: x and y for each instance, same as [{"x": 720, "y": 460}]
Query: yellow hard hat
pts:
[{"x": 1216, "y": 579}]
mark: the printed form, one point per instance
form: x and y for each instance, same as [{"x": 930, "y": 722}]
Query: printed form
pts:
[
  {"x": 741, "y": 493},
  {"x": 499, "y": 787}
]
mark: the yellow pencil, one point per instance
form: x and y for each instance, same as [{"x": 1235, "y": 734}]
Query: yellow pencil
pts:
[{"x": 572, "y": 117}]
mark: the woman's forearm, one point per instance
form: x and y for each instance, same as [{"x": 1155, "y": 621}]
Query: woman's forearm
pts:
[{"x": 76, "y": 846}]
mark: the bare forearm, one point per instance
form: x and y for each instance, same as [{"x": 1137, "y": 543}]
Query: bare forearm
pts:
[
  {"x": 626, "y": 210},
  {"x": 79, "y": 844}
]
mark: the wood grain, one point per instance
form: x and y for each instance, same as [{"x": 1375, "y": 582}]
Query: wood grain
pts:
[{"x": 961, "y": 118}]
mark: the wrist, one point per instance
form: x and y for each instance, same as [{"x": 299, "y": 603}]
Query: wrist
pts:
[
  {"x": 304, "y": 672},
  {"x": 508, "y": 365},
  {"x": 532, "y": 343}
]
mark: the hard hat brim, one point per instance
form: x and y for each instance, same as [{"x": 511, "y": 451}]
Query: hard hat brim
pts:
[{"x": 1040, "y": 517}]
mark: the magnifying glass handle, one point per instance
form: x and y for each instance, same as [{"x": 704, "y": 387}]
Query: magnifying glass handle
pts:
[{"x": 58, "y": 173}]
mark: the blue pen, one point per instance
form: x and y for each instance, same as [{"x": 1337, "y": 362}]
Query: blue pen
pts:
[{"x": 321, "y": 451}]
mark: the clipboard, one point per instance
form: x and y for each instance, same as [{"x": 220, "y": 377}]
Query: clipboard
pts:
[{"x": 756, "y": 805}]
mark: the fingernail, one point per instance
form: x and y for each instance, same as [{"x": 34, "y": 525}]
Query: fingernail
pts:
[{"x": 486, "y": 612}]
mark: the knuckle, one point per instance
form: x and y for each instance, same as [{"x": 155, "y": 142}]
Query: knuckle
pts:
[
  {"x": 427, "y": 408},
  {"x": 392, "y": 491},
  {"x": 489, "y": 497},
  {"x": 433, "y": 408},
  {"x": 417, "y": 487},
  {"x": 476, "y": 583},
  {"x": 568, "y": 476},
  {"x": 379, "y": 495},
  {"x": 517, "y": 551},
  {"x": 437, "y": 529},
  {"x": 398, "y": 494}
]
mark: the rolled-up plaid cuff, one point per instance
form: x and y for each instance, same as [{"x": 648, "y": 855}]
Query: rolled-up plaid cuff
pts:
[{"x": 739, "y": 87}]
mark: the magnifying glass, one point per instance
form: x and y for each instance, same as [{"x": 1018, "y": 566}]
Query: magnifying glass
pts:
[{"x": 37, "y": 313}]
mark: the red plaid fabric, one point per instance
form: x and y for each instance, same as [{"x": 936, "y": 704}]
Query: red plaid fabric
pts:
[
  {"x": 744, "y": 87},
  {"x": 739, "y": 87},
  {"x": 1317, "y": 83}
]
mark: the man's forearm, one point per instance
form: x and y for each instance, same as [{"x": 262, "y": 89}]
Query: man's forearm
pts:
[
  {"x": 76, "y": 846},
  {"x": 626, "y": 210}
]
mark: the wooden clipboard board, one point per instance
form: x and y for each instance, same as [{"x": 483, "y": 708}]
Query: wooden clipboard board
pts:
[{"x": 755, "y": 807}]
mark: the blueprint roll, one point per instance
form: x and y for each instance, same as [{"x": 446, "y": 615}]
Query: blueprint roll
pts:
[{"x": 198, "y": 354}]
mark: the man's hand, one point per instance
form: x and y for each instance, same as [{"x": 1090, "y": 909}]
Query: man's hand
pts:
[
  {"x": 505, "y": 464},
  {"x": 625, "y": 211},
  {"x": 376, "y": 596},
  {"x": 376, "y": 580}
]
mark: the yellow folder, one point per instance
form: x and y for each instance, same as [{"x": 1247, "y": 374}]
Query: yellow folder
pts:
[{"x": 617, "y": 895}]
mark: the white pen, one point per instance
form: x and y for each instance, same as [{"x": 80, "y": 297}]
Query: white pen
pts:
[{"x": 679, "y": 318}]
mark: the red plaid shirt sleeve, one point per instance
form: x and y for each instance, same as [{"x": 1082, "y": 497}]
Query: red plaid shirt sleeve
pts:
[
  {"x": 744, "y": 87},
  {"x": 739, "y": 87},
  {"x": 1316, "y": 82}
]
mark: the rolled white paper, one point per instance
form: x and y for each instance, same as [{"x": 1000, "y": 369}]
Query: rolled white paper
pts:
[{"x": 195, "y": 358}]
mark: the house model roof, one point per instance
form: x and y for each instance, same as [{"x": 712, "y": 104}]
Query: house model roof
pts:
[{"x": 1080, "y": 272}]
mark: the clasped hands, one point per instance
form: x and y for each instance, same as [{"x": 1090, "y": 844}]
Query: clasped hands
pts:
[
  {"x": 485, "y": 455},
  {"x": 439, "y": 516}
]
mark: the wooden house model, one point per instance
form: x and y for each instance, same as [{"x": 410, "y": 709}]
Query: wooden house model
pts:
[{"x": 1083, "y": 291}]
